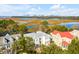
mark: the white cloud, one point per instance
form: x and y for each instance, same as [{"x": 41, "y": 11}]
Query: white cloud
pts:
[
  {"x": 34, "y": 9},
  {"x": 61, "y": 10},
  {"x": 56, "y": 7},
  {"x": 39, "y": 8},
  {"x": 70, "y": 12}
]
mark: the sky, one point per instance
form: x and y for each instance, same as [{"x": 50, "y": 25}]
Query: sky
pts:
[{"x": 39, "y": 9}]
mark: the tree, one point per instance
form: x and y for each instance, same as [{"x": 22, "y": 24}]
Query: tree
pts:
[
  {"x": 44, "y": 26},
  {"x": 22, "y": 28},
  {"x": 59, "y": 28},
  {"x": 73, "y": 48},
  {"x": 7, "y": 26},
  {"x": 24, "y": 45},
  {"x": 52, "y": 49},
  {"x": 5, "y": 23},
  {"x": 45, "y": 23}
]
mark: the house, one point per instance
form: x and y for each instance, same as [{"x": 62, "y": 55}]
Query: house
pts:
[
  {"x": 75, "y": 33},
  {"x": 39, "y": 37},
  {"x": 62, "y": 39},
  {"x": 7, "y": 41}
]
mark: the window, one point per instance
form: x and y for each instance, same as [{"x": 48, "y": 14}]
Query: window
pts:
[
  {"x": 7, "y": 41},
  {"x": 7, "y": 45},
  {"x": 65, "y": 46},
  {"x": 40, "y": 40}
]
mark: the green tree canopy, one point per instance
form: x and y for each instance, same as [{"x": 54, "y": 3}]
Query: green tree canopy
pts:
[
  {"x": 7, "y": 26},
  {"x": 52, "y": 49},
  {"x": 45, "y": 23},
  {"x": 44, "y": 26},
  {"x": 73, "y": 48},
  {"x": 22, "y": 28},
  {"x": 60, "y": 28},
  {"x": 24, "y": 45}
]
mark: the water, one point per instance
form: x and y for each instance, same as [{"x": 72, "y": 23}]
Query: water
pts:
[
  {"x": 70, "y": 24},
  {"x": 29, "y": 26},
  {"x": 26, "y": 18},
  {"x": 40, "y": 18}
]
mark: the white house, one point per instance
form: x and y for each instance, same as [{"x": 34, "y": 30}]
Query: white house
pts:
[
  {"x": 40, "y": 37},
  {"x": 75, "y": 33}
]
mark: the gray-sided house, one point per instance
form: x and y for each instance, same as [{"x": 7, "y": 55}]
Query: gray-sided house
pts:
[{"x": 7, "y": 41}]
